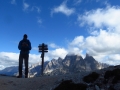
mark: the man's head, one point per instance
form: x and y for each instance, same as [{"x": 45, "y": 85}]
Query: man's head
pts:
[{"x": 25, "y": 36}]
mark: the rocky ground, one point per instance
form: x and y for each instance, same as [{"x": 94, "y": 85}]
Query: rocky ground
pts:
[
  {"x": 37, "y": 83},
  {"x": 107, "y": 79}
]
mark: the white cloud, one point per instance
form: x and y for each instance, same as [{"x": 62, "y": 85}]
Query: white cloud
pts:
[
  {"x": 13, "y": 1},
  {"x": 112, "y": 59},
  {"x": 53, "y": 45},
  {"x": 63, "y": 9},
  {"x": 59, "y": 52},
  {"x": 39, "y": 20},
  {"x": 77, "y": 2},
  {"x": 75, "y": 50},
  {"x": 11, "y": 59},
  {"x": 108, "y": 17},
  {"x": 12, "y": 56},
  {"x": 99, "y": 46},
  {"x": 35, "y": 48},
  {"x": 33, "y": 58},
  {"x": 116, "y": 56},
  {"x": 103, "y": 44},
  {"x": 78, "y": 40},
  {"x": 30, "y": 8},
  {"x": 36, "y": 8},
  {"x": 25, "y": 6},
  {"x": 2, "y": 67},
  {"x": 8, "y": 59}
]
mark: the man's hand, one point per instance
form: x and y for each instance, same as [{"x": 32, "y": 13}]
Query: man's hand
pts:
[{"x": 24, "y": 44}]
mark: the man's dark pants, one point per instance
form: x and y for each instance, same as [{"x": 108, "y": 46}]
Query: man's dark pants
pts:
[{"x": 23, "y": 57}]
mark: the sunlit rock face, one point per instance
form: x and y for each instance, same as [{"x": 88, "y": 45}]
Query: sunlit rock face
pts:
[
  {"x": 91, "y": 63},
  {"x": 73, "y": 63},
  {"x": 53, "y": 65},
  {"x": 35, "y": 70}
]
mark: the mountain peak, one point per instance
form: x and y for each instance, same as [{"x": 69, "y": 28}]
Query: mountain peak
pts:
[
  {"x": 73, "y": 55},
  {"x": 87, "y": 55},
  {"x": 60, "y": 58}
]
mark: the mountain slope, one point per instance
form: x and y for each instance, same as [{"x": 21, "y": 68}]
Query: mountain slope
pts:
[{"x": 11, "y": 71}]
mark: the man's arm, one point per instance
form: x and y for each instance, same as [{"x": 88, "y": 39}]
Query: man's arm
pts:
[{"x": 19, "y": 45}]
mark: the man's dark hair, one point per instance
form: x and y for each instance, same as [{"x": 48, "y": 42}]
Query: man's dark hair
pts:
[{"x": 25, "y": 36}]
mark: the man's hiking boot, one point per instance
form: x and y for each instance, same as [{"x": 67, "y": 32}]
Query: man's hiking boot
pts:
[{"x": 19, "y": 76}]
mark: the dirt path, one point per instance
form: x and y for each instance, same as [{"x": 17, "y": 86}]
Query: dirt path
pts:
[{"x": 37, "y": 83}]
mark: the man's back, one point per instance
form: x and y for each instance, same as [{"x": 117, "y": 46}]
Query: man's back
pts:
[{"x": 24, "y": 46}]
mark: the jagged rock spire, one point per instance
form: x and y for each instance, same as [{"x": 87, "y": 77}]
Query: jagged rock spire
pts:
[{"x": 87, "y": 55}]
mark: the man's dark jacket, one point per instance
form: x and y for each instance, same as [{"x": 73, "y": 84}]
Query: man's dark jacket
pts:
[{"x": 24, "y": 46}]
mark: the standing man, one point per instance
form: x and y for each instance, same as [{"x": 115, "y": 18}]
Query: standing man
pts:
[{"x": 24, "y": 47}]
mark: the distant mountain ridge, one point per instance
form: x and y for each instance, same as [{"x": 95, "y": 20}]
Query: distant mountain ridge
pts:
[
  {"x": 11, "y": 71},
  {"x": 70, "y": 64}
]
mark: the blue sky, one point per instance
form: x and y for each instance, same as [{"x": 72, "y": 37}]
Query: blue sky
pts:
[{"x": 66, "y": 26}]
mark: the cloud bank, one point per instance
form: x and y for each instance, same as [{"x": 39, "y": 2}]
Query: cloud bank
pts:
[{"x": 103, "y": 42}]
